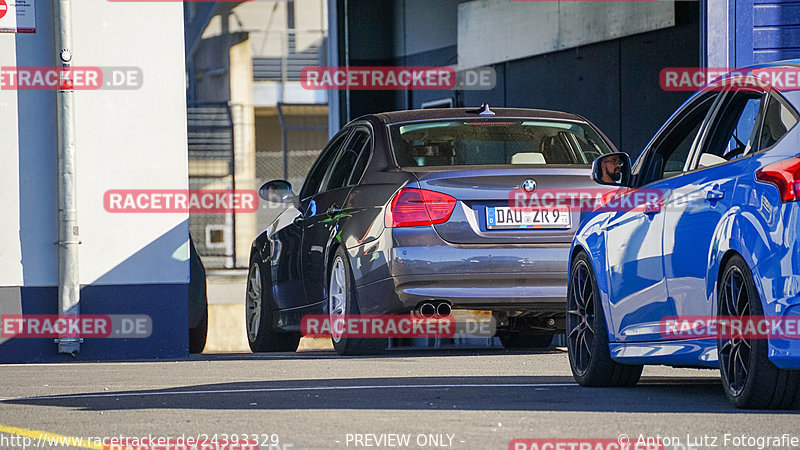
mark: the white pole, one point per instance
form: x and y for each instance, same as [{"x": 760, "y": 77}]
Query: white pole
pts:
[{"x": 68, "y": 231}]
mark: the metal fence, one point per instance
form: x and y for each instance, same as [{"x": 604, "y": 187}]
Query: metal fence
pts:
[
  {"x": 298, "y": 49},
  {"x": 288, "y": 143},
  {"x": 210, "y": 134}
]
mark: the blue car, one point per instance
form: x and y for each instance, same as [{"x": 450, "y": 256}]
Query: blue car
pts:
[{"x": 717, "y": 237}]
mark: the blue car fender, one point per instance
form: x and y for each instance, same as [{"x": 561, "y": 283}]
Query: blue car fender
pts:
[{"x": 591, "y": 239}]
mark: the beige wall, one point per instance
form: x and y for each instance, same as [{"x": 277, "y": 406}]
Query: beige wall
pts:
[
  {"x": 244, "y": 142},
  {"x": 267, "y": 20}
]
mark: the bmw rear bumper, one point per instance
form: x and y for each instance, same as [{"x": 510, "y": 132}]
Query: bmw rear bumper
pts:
[{"x": 520, "y": 278}]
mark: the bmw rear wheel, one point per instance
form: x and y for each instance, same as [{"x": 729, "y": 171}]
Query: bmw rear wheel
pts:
[
  {"x": 343, "y": 302},
  {"x": 259, "y": 311},
  {"x": 587, "y": 335},
  {"x": 749, "y": 378}
]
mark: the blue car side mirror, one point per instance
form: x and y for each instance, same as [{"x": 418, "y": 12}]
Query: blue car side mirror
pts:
[{"x": 613, "y": 169}]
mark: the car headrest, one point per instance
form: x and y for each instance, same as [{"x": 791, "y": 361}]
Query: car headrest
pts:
[
  {"x": 708, "y": 160},
  {"x": 528, "y": 158}
]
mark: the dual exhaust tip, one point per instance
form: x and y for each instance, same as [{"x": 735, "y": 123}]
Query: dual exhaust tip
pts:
[{"x": 433, "y": 309}]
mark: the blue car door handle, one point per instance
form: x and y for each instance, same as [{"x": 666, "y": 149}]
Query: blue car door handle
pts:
[
  {"x": 715, "y": 194},
  {"x": 652, "y": 208}
]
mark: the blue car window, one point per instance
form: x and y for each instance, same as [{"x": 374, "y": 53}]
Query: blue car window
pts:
[
  {"x": 778, "y": 120},
  {"x": 670, "y": 152},
  {"x": 735, "y": 131},
  {"x": 677, "y": 160}
]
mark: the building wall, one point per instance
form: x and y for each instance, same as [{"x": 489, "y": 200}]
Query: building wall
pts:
[
  {"x": 126, "y": 139},
  {"x": 614, "y": 83},
  {"x": 239, "y": 62}
]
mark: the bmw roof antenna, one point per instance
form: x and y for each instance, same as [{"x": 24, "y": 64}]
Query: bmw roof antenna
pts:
[{"x": 483, "y": 110}]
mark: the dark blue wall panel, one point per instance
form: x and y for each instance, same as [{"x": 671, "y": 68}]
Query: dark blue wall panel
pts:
[
  {"x": 767, "y": 30},
  {"x": 169, "y": 318}
]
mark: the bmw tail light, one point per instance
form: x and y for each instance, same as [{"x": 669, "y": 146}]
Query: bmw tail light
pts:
[
  {"x": 413, "y": 207},
  {"x": 785, "y": 175}
]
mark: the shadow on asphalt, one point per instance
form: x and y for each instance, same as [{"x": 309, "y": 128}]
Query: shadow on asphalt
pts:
[
  {"x": 395, "y": 353},
  {"x": 540, "y": 393}
]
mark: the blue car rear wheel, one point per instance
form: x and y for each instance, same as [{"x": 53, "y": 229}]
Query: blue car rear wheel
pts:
[{"x": 749, "y": 378}]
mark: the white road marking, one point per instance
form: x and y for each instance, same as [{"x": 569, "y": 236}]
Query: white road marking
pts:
[{"x": 288, "y": 389}]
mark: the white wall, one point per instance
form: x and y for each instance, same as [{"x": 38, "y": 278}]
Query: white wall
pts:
[{"x": 126, "y": 139}]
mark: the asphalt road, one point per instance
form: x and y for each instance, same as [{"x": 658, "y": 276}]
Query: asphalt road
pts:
[{"x": 439, "y": 399}]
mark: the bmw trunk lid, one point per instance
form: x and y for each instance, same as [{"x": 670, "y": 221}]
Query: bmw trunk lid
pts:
[{"x": 488, "y": 209}]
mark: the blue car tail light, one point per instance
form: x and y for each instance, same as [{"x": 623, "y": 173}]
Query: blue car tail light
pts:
[{"x": 785, "y": 175}]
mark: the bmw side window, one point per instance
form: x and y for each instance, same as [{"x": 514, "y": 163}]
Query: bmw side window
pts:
[
  {"x": 361, "y": 163},
  {"x": 321, "y": 166},
  {"x": 735, "y": 131},
  {"x": 671, "y": 153},
  {"x": 779, "y": 118},
  {"x": 340, "y": 175}
]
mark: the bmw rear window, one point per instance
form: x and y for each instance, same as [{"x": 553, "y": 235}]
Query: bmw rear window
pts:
[{"x": 495, "y": 142}]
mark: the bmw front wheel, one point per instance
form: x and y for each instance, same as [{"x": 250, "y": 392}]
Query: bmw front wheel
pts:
[{"x": 259, "y": 311}]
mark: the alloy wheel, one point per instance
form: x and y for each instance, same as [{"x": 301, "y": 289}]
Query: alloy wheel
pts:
[
  {"x": 580, "y": 317},
  {"x": 337, "y": 296},
  {"x": 253, "y": 301},
  {"x": 735, "y": 350}
]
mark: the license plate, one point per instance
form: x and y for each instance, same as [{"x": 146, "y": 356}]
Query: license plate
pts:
[{"x": 505, "y": 218}]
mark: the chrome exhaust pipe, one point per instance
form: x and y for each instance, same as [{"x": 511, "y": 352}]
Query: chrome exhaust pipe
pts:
[
  {"x": 443, "y": 309},
  {"x": 426, "y": 310}
]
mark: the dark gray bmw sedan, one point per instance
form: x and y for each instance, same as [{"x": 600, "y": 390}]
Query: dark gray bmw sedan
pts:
[{"x": 412, "y": 212}]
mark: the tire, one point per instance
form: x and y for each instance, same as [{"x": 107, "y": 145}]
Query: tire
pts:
[
  {"x": 513, "y": 340},
  {"x": 198, "y": 301},
  {"x": 587, "y": 333},
  {"x": 749, "y": 378},
  {"x": 259, "y": 312},
  {"x": 342, "y": 302},
  {"x": 198, "y": 335}
]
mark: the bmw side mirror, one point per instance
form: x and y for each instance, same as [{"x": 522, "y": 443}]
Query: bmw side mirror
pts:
[
  {"x": 613, "y": 169},
  {"x": 277, "y": 191}
]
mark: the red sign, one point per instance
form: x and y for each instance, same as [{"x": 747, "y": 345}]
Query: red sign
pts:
[{"x": 3, "y": 8}]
